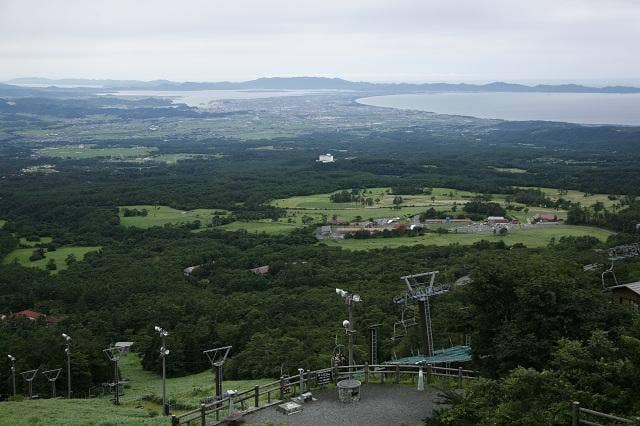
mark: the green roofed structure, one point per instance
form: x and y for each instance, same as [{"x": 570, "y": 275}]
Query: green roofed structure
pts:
[{"x": 440, "y": 356}]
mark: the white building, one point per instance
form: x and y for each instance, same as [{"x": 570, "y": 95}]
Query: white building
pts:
[{"x": 325, "y": 158}]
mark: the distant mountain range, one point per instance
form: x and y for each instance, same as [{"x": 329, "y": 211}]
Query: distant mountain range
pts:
[{"x": 313, "y": 83}]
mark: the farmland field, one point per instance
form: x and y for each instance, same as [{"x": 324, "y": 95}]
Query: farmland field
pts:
[
  {"x": 59, "y": 256},
  {"x": 163, "y": 215},
  {"x": 532, "y": 237}
]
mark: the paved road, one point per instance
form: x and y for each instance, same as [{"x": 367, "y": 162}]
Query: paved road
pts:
[{"x": 379, "y": 405}]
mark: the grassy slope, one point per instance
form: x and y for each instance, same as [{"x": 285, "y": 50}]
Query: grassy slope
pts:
[
  {"x": 2, "y": 222},
  {"x": 165, "y": 215},
  {"x": 22, "y": 256},
  {"x": 186, "y": 390},
  {"x": 88, "y": 151},
  {"x": 41, "y": 240},
  {"x": 133, "y": 410},
  {"x": 537, "y": 237}
]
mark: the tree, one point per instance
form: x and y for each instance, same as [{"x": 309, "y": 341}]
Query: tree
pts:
[
  {"x": 397, "y": 200},
  {"x": 51, "y": 265},
  {"x": 37, "y": 254}
]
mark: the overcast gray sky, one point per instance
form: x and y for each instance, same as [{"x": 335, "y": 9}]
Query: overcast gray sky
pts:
[{"x": 376, "y": 40}]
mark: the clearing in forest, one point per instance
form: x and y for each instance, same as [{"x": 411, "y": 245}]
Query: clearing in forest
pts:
[
  {"x": 162, "y": 215},
  {"x": 59, "y": 256},
  {"x": 530, "y": 237},
  {"x": 83, "y": 151}
]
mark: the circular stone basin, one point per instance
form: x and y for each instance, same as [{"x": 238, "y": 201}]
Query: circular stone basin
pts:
[{"x": 349, "y": 390}]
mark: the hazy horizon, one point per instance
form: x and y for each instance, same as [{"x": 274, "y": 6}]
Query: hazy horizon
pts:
[
  {"x": 578, "y": 41},
  {"x": 529, "y": 82}
]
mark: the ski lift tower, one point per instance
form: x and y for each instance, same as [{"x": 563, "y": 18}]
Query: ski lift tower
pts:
[
  {"x": 114, "y": 353},
  {"x": 420, "y": 287},
  {"x": 52, "y": 376},
  {"x": 217, "y": 357},
  {"x": 28, "y": 376}
]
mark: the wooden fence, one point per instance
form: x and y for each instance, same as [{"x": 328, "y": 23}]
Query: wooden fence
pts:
[
  {"x": 288, "y": 386},
  {"x": 580, "y": 416}
]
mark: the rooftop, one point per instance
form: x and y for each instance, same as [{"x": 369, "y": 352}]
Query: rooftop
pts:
[
  {"x": 440, "y": 356},
  {"x": 635, "y": 287}
]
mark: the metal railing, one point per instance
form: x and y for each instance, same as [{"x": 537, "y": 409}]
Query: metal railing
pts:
[
  {"x": 579, "y": 413},
  {"x": 287, "y": 386}
]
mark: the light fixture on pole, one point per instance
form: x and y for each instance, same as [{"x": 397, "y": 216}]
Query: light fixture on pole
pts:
[
  {"x": 13, "y": 372},
  {"x": 349, "y": 300},
  {"x": 67, "y": 351},
  {"x": 163, "y": 354}
]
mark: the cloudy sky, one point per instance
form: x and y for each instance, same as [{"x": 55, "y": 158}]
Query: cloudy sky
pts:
[{"x": 376, "y": 40}]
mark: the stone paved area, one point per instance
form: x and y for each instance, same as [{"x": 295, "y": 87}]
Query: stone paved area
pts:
[{"x": 380, "y": 405}]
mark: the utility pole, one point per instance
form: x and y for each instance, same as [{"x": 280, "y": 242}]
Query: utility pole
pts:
[
  {"x": 163, "y": 354},
  {"x": 349, "y": 299},
  {"x": 67, "y": 350},
  {"x": 13, "y": 373}
]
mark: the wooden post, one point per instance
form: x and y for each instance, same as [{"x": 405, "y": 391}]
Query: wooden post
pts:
[
  {"x": 366, "y": 372},
  {"x": 174, "y": 420},
  {"x": 203, "y": 415},
  {"x": 384, "y": 369},
  {"x": 397, "y": 373},
  {"x": 282, "y": 388},
  {"x": 428, "y": 373},
  {"x": 256, "y": 395},
  {"x": 460, "y": 377},
  {"x": 575, "y": 413}
]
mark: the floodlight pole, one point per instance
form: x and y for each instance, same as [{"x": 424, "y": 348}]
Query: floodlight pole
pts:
[
  {"x": 67, "y": 350},
  {"x": 350, "y": 333},
  {"x": 163, "y": 354},
  {"x": 13, "y": 373},
  {"x": 349, "y": 300}
]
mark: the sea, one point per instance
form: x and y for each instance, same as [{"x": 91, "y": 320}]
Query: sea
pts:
[{"x": 582, "y": 108}]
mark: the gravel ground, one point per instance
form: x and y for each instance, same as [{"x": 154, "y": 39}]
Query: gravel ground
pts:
[{"x": 379, "y": 405}]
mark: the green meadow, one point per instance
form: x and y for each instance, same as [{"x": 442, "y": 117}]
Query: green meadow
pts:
[
  {"x": 59, "y": 256},
  {"x": 162, "y": 215},
  {"x": 532, "y": 237},
  {"x": 78, "y": 152},
  {"x": 32, "y": 243}
]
